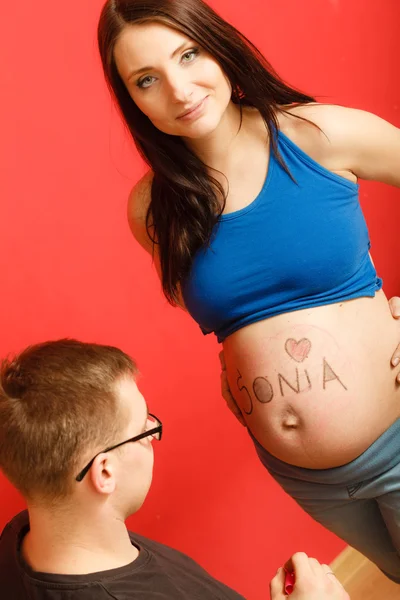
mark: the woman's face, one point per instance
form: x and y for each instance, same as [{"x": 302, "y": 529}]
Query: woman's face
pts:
[{"x": 172, "y": 80}]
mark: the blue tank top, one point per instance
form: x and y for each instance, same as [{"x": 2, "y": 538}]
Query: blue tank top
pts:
[{"x": 299, "y": 244}]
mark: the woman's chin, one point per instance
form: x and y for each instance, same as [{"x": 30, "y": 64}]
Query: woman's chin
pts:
[{"x": 199, "y": 131}]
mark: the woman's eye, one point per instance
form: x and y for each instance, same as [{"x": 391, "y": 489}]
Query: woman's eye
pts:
[
  {"x": 190, "y": 55},
  {"x": 145, "y": 82}
]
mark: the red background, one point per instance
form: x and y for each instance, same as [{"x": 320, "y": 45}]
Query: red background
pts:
[{"x": 69, "y": 266}]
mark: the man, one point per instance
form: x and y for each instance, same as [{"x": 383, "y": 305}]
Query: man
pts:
[{"x": 76, "y": 440}]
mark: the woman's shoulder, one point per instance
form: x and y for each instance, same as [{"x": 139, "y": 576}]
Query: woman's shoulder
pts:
[
  {"x": 352, "y": 140},
  {"x": 140, "y": 197},
  {"x": 322, "y": 132},
  {"x": 138, "y": 204},
  {"x": 317, "y": 113},
  {"x": 330, "y": 123}
]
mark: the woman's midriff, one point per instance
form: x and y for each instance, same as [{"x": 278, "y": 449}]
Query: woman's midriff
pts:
[{"x": 316, "y": 386}]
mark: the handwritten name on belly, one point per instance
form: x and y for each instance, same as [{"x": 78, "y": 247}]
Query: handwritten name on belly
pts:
[{"x": 266, "y": 388}]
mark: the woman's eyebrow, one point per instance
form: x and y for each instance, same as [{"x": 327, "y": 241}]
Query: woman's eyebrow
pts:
[{"x": 144, "y": 69}]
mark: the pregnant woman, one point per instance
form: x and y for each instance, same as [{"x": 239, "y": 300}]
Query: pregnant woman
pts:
[{"x": 251, "y": 212}]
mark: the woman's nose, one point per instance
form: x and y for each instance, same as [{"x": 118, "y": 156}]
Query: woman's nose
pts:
[{"x": 180, "y": 90}]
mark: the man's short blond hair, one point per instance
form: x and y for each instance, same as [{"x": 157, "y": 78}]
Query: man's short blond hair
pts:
[{"x": 57, "y": 401}]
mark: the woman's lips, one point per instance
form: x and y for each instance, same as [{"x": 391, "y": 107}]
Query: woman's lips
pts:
[{"x": 194, "y": 112}]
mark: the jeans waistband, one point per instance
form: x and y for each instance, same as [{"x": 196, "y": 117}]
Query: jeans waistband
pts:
[{"x": 381, "y": 456}]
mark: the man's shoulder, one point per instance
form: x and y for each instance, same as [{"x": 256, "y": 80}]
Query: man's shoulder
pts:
[
  {"x": 159, "y": 548},
  {"x": 178, "y": 575},
  {"x": 11, "y": 531},
  {"x": 11, "y": 582},
  {"x": 19, "y": 520}
]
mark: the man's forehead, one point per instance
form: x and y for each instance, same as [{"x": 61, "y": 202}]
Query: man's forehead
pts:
[{"x": 131, "y": 397}]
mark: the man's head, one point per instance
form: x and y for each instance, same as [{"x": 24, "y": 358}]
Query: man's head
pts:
[{"x": 63, "y": 403}]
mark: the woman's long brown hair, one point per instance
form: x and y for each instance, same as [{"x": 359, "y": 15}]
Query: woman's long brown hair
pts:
[{"x": 186, "y": 200}]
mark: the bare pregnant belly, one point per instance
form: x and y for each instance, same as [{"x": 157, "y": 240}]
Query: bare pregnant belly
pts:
[{"x": 316, "y": 386}]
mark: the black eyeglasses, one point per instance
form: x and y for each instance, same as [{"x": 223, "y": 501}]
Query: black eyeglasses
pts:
[{"x": 155, "y": 432}]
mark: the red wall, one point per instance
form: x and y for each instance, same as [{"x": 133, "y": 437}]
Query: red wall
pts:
[{"x": 69, "y": 266}]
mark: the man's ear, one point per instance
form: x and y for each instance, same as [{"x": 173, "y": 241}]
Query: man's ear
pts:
[{"x": 102, "y": 474}]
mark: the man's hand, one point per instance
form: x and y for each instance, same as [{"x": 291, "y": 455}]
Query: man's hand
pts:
[
  {"x": 313, "y": 581},
  {"x": 226, "y": 392},
  {"x": 394, "y": 304}
]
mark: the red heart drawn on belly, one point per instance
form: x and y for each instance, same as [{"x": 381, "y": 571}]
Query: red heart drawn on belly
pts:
[{"x": 298, "y": 350}]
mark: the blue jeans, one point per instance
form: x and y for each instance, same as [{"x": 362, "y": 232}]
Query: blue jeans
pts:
[{"x": 359, "y": 501}]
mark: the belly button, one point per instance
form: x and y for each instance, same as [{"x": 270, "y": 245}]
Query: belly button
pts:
[{"x": 290, "y": 421}]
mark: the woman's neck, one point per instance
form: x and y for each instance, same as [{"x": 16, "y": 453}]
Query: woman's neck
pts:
[
  {"x": 234, "y": 145},
  {"x": 215, "y": 149}
]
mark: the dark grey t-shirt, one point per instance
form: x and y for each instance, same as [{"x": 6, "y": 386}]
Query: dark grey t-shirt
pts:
[{"x": 159, "y": 573}]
